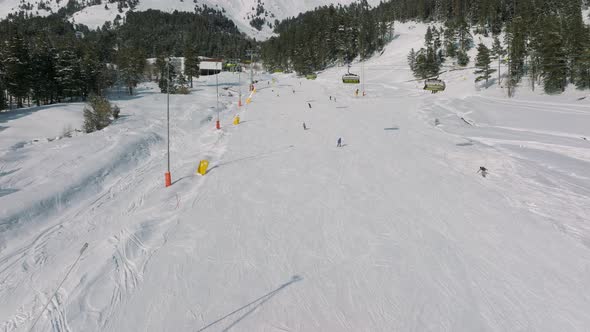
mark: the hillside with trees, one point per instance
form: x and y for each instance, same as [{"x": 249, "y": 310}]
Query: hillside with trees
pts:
[
  {"x": 543, "y": 40},
  {"x": 44, "y": 60}
]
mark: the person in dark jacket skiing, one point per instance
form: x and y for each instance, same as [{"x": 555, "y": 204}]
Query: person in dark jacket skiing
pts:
[
  {"x": 339, "y": 145},
  {"x": 309, "y": 104},
  {"x": 304, "y": 126},
  {"x": 483, "y": 170}
]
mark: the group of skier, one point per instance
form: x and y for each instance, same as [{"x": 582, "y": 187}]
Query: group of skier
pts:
[{"x": 339, "y": 142}]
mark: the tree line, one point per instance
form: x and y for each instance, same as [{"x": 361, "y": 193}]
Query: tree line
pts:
[
  {"x": 327, "y": 35},
  {"x": 544, "y": 40},
  {"x": 44, "y": 60}
]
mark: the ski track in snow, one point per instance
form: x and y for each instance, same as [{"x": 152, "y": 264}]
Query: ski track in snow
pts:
[
  {"x": 535, "y": 153},
  {"x": 132, "y": 248}
]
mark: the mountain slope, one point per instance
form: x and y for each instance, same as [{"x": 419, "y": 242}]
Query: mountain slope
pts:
[
  {"x": 240, "y": 11},
  {"x": 395, "y": 231}
]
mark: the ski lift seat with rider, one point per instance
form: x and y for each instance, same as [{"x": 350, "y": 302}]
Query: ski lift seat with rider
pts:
[
  {"x": 434, "y": 85},
  {"x": 350, "y": 78}
]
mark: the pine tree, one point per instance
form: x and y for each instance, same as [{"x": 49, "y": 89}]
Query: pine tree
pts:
[
  {"x": 482, "y": 64},
  {"x": 167, "y": 78},
  {"x": 2, "y": 87},
  {"x": 43, "y": 83},
  {"x": 191, "y": 63},
  {"x": 68, "y": 73},
  {"x": 428, "y": 38},
  {"x": 498, "y": 52},
  {"x": 426, "y": 63},
  {"x": 132, "y": 64},
  {"x": 2, "y": 78},
  {"x": 421, "y": 67},
  {"x": 464, "y": 35},
  {"x": 432, "y": 62},
  {"x": 577, "y": 37},
  {"x": 553, "y": 58},
  {"x": 17, "y": 67},
  {"x": 97, "y": 114},
  {"x": 412, "y": 60},
  {"x": 582, "y": 69},
  {"x": 450, "y": 41},
  {"x": 515, "y": 38},
  {"x": 462, "y": 58},
  {"x": 90, "y": 75},
  {"x": 181, "y": 85}
]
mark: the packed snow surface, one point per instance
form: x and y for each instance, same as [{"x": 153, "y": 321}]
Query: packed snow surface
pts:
[{"x": 394, "y": 231}]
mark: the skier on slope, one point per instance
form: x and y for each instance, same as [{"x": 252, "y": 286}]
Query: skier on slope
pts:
[
  {"x": 304, "y": 126},
  {"x": 309, "y": 104},
  {"x": 483, "y": 170},
  {"x": 339, "y": 144}
]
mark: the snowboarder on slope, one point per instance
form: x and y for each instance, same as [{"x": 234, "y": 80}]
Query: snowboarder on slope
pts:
[{"x": 339, "y": 145}]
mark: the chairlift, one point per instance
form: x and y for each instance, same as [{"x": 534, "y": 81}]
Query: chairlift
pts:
[
  {"x": 350, "y": 78},
  {"x": 434, "y": 85}
]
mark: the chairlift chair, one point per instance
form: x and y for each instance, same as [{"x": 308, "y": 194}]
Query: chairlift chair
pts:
[
  {"x": 350, "y": 78},
  {"x": 434, "y": 85}
]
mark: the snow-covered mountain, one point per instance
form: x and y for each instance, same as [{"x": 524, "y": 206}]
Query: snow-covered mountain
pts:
[{"x": 95, "y": 13}]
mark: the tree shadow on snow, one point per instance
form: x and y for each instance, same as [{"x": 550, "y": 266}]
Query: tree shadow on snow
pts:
[
  {"x": 252, "y": 305},
  {"x": 391, "y": 128},
  {"x": 9, "y": 115}
]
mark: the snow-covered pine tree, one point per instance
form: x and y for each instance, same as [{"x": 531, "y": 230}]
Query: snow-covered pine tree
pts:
[
  {"x": 553, "y": 57},
  {"x": 515, "y": 39},
  {"x": 191, "y": 63},
  {"x": 464, "y": 35},
  {"x": 462, "y": 58},
  {"x": 132, "y": 64},
  {"x": 167, "y": 77},
  {"x": 17, "y": 67},
  {"x": 498, "y": 52},
  {"x": 412, "y": 60},
  {"x": 450, "y": 40},
  {"x": 43, "y": 83},
  {"x": 68, "y": 73},
  {"x": 181, "y": 85},
  {"x": 2, "y": 86},
  {"x": 482, "y": 63}
]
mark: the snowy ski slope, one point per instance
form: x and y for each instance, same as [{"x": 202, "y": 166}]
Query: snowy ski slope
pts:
[{"x": 395, "y": 231}]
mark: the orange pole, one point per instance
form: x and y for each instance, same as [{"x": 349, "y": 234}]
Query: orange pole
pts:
[{"x": 168, "y": 179}]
